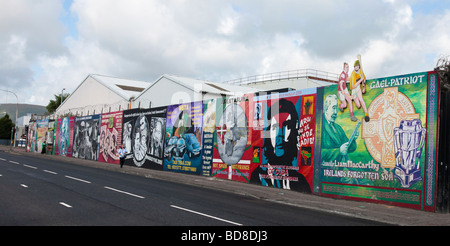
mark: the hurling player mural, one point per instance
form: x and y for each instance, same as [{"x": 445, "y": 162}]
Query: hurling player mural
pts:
[
  {"x": 380, "y": 146},
  {"x": 357, "y": 84}
]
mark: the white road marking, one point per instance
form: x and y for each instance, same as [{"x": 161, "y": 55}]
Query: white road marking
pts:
[
  {"x": 124, "y": 192},
  {"x": 25, "y": 186},
  {"x": 65, "y": 204},
  {"x": 77, "y": 179},
  {"x": 1, "y": 159},
  {"x": 47, "y": 171},
  {"x": 25, "y": 165},
  {"x": 14, "y": 162},
  {"x": 206, "y": 215}
]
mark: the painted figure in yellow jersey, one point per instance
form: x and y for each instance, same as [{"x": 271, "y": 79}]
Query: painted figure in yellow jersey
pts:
[{"x": 356, "y": 80}]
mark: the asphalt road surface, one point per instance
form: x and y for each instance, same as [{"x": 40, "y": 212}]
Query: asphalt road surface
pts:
[{"x": 39, "y": 191}]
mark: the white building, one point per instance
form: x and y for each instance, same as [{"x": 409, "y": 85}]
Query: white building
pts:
[
  {"x": 171, "y": 89},
  {"x": 294, "y": 79},
  {"x": 99, "y": 94}
]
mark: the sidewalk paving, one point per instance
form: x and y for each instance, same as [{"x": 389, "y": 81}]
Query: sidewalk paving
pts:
[{"x": 371, "y": 211}]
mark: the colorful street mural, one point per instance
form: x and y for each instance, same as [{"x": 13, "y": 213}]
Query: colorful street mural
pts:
[
  {"x": 110, "y": 137},
  {"x": 86, "y": 137},
  {"x": 283, "y": 140},
  {"x": 31, "y": 137},
  {"x": 363, "y": 139},
  {"x": 380, "y": 157},
  {"x": 232, "y": 153},
  {"x": 64, "y": 136},
  {"x": 183, "y": 142},
  {"x": 41, "y": 137},
  {"x": 51, "y": 137},
  {"x": 143, "y": 137}
]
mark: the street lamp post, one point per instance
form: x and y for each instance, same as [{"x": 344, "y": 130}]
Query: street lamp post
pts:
[{"x": 62, "y": 94}]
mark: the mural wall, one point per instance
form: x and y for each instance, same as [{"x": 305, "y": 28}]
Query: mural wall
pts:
[
  {"x": 86, "y": 137},
  {"x": 51, "y": 137},
  {"x": 371, "y": 140},
  {"x": 376, "y": 150},
  {"x": 143, "y": 136},
  {"x": 41, "y": 136},
  {"x": 283, "y": 140},
  {"x": 232, "y": 153},
  {"x": 31, "y": 137},
  {"x": 183, "y": 142},
  {"x": 64, "y": 136},
  {"x": 110, "y": 137}
]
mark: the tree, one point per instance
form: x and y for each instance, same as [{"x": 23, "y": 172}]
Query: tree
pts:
[
  {"x": 6, "y": 125},
  {"x": 54, "y": 104}
]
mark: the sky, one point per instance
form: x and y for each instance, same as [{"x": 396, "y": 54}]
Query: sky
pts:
[{"x": 50, "y": 45}]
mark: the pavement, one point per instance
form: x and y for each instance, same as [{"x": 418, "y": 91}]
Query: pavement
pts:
[{"x": 364, "y": 210}]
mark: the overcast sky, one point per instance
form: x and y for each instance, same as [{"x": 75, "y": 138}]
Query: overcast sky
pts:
[{"x": 48, "y": 45}]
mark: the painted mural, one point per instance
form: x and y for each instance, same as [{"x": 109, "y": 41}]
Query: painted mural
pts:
[
  {"x": 375, "y": 152},
  {"x": 143, "y": 137},
  {"x": 283, "y": 140},
  {"x": 110, "y": 137},
  {"x": 232, "y": 153},
  {"x": 209, "y": 129},
  {"x": 51, "y": 137},
  {"x": 64, "y": 136},
  {"x": 41, "y": 136},
  {"x": 372, "y": 140},
  {"x": 86, "y": 137},
  {"x": 31, "y": 137},
  {"x": 183, "y": 142}
]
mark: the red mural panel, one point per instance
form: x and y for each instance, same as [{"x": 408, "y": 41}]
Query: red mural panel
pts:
[{"x": 110, "y": 137}]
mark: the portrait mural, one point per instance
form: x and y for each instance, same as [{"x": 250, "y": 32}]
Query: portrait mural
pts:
[
  {"x": 86, "y": 137},
  {"x": 284, "y": 135},
  {"x": 31, "y": 137},
  {"x": 110, "y": 137},
  {"x": 143, "y": 137},
  {"x": 377, "y": 152},
  {"x": 64, "y": 136}
]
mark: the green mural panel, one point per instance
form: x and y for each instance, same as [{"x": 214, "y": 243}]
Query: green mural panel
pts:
[{"x": 384, "y": 150}]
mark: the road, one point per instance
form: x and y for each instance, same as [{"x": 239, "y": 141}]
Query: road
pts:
[{"x": 40, "y": 191}]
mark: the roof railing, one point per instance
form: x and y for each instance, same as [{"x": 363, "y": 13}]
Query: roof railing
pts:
[{"x": 287, "y": 75}]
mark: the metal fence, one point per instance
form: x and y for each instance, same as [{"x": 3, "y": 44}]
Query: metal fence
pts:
[{"x": 287, "y": 75}]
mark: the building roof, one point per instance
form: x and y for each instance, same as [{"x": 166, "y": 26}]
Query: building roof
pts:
[
  {"x": 213, "y": 87},
  {"x": 202, "y": 86},
  {"x": 125, "y": 88}
]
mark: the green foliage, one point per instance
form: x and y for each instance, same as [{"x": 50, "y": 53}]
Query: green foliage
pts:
[
  {"x": 6, "y": 125},
  {"x": 54, "y": 104}
]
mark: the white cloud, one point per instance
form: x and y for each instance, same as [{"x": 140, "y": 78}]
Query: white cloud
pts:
[{"x": 215, "y": 40}]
